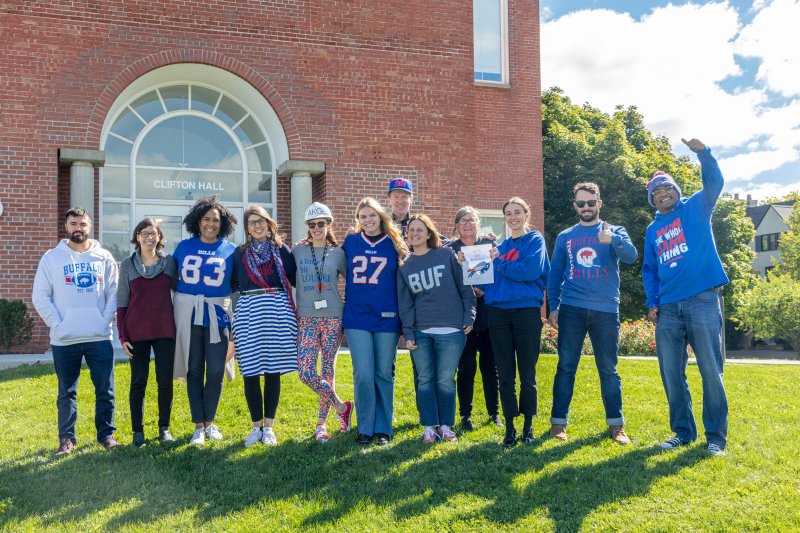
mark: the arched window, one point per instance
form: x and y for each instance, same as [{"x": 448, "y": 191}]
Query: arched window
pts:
[{"x": 172, "y": 143}]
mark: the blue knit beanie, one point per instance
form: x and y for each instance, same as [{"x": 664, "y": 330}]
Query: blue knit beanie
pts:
[{"x": 660, "y": 178}]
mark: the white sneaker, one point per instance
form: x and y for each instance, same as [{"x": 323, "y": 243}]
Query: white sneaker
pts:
[
  {"x": 447, "y": 434},
  {"x": 199, "y": 437},
  {"x": 253, "y": 438},
  {"x": 212, "y": 432},
  {"x": 268, "y": 438}
]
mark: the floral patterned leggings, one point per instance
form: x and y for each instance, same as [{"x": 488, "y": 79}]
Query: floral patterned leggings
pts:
[{"x": 315, "y": 335}]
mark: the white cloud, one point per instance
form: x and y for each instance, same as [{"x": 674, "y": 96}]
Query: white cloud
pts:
[
  {"x": 766, "y": 190},
  {"x": 773, "y": 38},
  {"x": 746, "y": 166},
  {"x": 670, "y": 64}
]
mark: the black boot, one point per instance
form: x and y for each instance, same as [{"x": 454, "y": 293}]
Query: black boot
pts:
[
  {"x": 527, "y": 435},
  {"x": 511, "y": 434}
]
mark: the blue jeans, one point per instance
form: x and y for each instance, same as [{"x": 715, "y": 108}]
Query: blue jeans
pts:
[
  {"x": 603, "y": 329},
  {"x": 436, "y": 359},
  {"x": 100, "y": 360},
  {"x": 373, "y": 354},
  {"x": 696, "y": 321}
]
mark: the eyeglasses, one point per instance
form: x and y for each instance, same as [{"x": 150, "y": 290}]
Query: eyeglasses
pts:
[
  {"x": 148, "y": 234},
  {"x": 662, "y": 190},
  {"x": 467, "y": 222},
  {"x": 581, "y": 203},
  {"x": 320, "y": 224},
  {"x": 258, "y": 222}
]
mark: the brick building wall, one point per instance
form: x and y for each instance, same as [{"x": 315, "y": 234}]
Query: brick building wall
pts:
[{"x": 374, "y": 88}]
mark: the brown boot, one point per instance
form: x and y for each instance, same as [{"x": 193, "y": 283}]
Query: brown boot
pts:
[
  {"x": 618, "y": 435},
  {"x": 66, "y": 447},
  {"x": 559, "y": 431}
]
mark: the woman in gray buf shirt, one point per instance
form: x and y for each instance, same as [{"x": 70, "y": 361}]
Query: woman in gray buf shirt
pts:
[{"x": 437, "y": 311}]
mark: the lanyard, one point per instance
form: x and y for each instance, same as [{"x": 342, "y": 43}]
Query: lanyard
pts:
[{"x": 319, "y": 267}]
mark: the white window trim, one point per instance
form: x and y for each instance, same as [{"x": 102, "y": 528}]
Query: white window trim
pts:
[
  {"x": 494, "y": 213},
  {"x": 225, "y": 83},
  {"x": 504, "y": 82}
]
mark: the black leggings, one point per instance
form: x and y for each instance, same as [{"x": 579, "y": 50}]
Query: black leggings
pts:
[
  {"x": 515, "y": 336},
  {"x": 205, "y": 372},
  {"x": 272, "y": 394},
  {"x": 164, "y": 350},
  {"x": 477, "y": 341}
]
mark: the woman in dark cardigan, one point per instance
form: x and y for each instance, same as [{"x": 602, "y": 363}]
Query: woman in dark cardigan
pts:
[{"x": 145, "y": 321}]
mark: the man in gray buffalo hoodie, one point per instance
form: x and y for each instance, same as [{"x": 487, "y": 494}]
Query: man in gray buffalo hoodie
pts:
[{"x": 75, "y": 293}]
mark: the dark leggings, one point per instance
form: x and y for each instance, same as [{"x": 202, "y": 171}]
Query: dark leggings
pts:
[
  {"x": 205, "y": 360},
  {"x": 164, "y": 350},
  {"x": 477, "y": 341},
  {"x": 515, "y": 336},
  {"x": 262, "y": 406}
]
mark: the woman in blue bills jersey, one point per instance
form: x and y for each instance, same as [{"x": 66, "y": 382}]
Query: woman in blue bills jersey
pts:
[
  {"x": 371, "y": 321},
  {"x": 203, "y": 311},
  {"x": 264, "y": 324}
]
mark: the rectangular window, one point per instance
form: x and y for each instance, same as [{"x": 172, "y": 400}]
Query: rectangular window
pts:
[
  {"x": 768, "y": 242},
  {"x": 490, "y": 34},
  {"x": 492, "y": 221}
]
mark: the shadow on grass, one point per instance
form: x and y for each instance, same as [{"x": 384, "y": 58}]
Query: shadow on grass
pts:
[
  {"x": 26, "y": 372},
  {"x": 408, "y": 477}
]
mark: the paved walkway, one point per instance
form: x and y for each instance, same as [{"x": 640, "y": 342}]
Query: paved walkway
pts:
[{"x": 746, "y": 357}]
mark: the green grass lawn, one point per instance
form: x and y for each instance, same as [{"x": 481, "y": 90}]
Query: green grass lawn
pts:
[{"x": 589, "y": 483}]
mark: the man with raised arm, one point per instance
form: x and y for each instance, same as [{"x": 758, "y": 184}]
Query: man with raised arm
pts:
[{"x": 682, "y": 276}]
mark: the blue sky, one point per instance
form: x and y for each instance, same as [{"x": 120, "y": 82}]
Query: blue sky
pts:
[{"x": 726, "y": 72}]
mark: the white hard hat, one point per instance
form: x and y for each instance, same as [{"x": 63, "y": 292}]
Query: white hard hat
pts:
[{"x": 318, "y": 210}]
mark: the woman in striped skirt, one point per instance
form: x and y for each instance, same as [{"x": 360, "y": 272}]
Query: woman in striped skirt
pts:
[{"x": 264, "y": 321}]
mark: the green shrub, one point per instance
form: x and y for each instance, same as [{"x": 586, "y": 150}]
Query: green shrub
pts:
[
  {"x": 549, "y": 341},
  {"x": 16, "y": 326},
  {"x": 637, "y": 337}
]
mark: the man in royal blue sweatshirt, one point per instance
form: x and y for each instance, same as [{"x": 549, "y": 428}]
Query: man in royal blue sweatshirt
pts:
[
  {"x": 682, "y": 276},
  {"x": 583, "y": 291}
]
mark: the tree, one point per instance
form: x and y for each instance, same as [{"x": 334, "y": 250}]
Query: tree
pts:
[
  {"x": 789, "y": 246},
  {"x": 770, "y": 309},
  {"x": 733, "y": 229},
  {"x": 581, "y": 143},
  {"x": 794, "y": 195}
]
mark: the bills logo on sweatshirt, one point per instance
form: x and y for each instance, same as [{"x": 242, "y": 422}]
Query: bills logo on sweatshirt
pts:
[
  {"x": 586, "y": 257},
  {"x": 511, "y": 255},
  {"x": 84, "y": 275}
]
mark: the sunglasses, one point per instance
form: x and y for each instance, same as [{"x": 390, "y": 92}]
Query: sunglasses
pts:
[
  {"x": 320, "y": 224},
  {"x": 581, "y": 203}
]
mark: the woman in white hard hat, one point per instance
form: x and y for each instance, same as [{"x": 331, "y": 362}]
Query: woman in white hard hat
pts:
[{"x": 320, "y": 263}]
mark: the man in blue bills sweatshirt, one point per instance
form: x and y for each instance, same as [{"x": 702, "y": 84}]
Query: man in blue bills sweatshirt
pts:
[
  {"x": 682, "y": 276},
  {"x": 583, "y": 292}
]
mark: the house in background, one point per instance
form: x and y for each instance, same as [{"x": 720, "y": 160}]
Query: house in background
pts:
[{"x": 770, "y": 221}]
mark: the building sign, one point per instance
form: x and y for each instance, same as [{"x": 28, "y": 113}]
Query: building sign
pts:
[{"x": 168, "y": 184}]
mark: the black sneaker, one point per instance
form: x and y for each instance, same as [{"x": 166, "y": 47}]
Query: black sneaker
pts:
[
  {"x": 510, "y": 438},
  {"x": 164, "y": 435},
  {"x": 138, "y": 439},
  {"x": 382, "y": 439},
  {"x": 466, "y": 423},
  {"x": 361, "y": 438},
  {"x": 527, "y": 436}
]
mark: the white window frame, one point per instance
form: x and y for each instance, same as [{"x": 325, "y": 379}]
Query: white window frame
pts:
[
  {"x": 492, "y": 214},
  {"x": 504, "y": 81}
]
